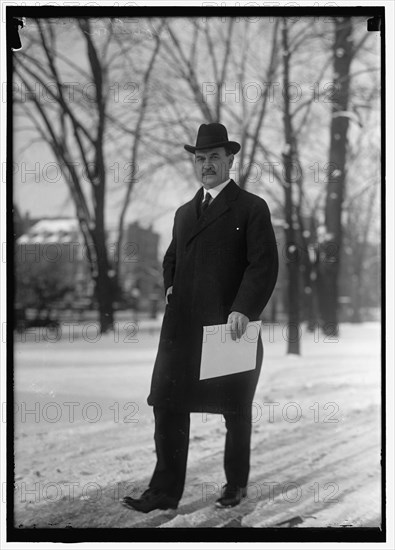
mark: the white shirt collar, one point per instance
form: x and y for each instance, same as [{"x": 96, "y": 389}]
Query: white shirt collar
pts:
[{"x": 215, "y": 191}]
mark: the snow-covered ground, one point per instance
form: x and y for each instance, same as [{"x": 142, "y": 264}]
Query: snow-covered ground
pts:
[{"x": 84, "y": 433}]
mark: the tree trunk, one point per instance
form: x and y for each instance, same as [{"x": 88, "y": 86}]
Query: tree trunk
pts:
[
  {"x": 104, "y": 284},
  {"x": 311, "y": 298},
  {"x": 332, "y": 243},
  {"x": 356, "y": 299},
  {"x": 292, "y": 253},
  {"x": 104, "y": 299}
]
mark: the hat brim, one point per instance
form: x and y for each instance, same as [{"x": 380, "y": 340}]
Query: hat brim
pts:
[{"x": 232, "y": 145}]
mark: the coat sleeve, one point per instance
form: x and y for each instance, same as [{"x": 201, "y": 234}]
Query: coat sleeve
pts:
[
  {"x": 260, "y": 275},
  {"x": 169, "y": 260}
]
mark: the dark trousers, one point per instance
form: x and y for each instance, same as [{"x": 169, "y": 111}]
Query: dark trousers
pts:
[{"x": 172, "y": 442}]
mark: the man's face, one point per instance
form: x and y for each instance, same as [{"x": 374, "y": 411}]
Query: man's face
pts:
[{"x": 212, "y": 166}]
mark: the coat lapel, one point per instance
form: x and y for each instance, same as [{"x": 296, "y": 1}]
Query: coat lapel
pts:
[
  {"x": 220, "y": 205},
  {"x": 191, "y": 215}
]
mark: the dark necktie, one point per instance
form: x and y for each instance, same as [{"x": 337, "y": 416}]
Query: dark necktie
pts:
[{"x": 206, "y": 202}]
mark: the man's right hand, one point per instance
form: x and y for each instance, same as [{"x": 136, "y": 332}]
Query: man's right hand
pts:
[{"x": 168, "y": 293}]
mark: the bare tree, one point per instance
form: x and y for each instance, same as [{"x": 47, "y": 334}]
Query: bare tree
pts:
[
  {"x": 302, "y": 211},
  {"x": 290, "y": 159},
  {"x": 208, "y": 62},
  {"x": 77, "y": 131},
  {"x": 342, "y": 51},
  {"x": 360, "y": 208}
]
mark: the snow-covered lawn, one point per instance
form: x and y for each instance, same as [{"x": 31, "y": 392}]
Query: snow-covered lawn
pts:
[{"x": 84, "y": 433}]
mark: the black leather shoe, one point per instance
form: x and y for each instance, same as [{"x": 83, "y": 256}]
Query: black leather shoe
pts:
[
  {"x": 231, "y": 496},
  {"x": 151, "y": 499}
]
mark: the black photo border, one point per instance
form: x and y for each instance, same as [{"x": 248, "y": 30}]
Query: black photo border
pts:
[{"x": 251, "y": 535}]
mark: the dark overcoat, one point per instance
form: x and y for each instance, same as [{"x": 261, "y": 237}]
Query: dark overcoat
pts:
[{"x": 225, "y": 260}]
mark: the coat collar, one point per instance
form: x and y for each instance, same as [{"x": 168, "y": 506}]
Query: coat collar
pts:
[{"x": 220, "y": 205}]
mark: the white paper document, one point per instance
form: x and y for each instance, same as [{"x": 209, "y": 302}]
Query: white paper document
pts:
[{"x": 222, "y": 356}]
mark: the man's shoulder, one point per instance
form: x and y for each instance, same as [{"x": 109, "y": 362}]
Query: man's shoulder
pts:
[
  {"x": 184, "y": 207},
  {"x": 251, "y": 200}
]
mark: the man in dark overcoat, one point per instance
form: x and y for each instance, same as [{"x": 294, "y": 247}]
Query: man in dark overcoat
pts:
[{"x": 221, "y": 267}]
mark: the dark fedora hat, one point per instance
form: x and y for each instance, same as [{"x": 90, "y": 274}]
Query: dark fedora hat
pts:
[{"x": 213, "y": 135}]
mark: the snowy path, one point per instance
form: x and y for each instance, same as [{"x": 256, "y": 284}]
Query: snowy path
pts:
[{"x": 89, "y": 440}]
